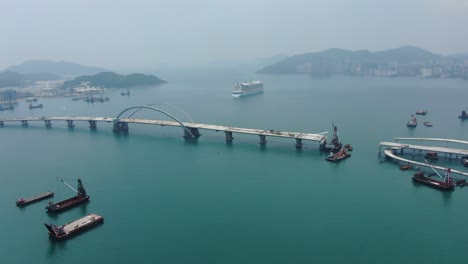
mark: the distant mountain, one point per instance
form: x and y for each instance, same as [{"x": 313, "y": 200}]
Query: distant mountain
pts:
[
  {"x": 114, "y": 80},
  {"x": 342, "y": 61},
  {"x": 62, "y": 68},
  {"x": 14, "y": 79}
]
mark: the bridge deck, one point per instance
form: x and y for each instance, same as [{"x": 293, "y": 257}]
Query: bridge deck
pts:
[
  {"x": 272, "y": 133},
  {"x": 435, "y": 139},
  {"x": 389, "y": 153},
  {"x": 456, "y": 151}
]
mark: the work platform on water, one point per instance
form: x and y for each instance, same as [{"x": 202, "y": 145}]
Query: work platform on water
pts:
[
  {"x": 452, "y": 153},
  {"x": 191, "y": 130}
]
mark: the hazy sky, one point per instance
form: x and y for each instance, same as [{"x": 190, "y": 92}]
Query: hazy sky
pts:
[{"x": 144, "y": 33}]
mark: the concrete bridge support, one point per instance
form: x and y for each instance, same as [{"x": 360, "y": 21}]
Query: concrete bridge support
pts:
[
  {"x": 92, "y": 124},
  {"x": 47, "y": 123},
  {"x": 263, "y": 140},
  {"x": 70, "y": 124},
  {"x": 298, "y": 143},
  {"x": 24, "y": 123},
  {"x": 120, "y": 127},
  {"x": 229, "y": 137},
  {"x": 1, "y": 124},
  {"x": 191, "y": 132}
]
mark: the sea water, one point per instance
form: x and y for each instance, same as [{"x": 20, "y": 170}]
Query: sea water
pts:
[{"x": 170, "y": 200}]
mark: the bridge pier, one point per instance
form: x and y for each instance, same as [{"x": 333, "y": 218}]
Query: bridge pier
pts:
[
  {"x": 2, "y": 124},
  {"x": 92, "y": 124},
  {"x": 47, "y": 123},
  {"x": 263, "y": 140},
  {"x": 299, "y": 143},
  {"x": 24, "y": 123},
  {"x": 191, "y": 132},
  {"x": 70, "y": 124},
  {"x": 229, "y": 137},
  {"x": 120, "y": 127}
]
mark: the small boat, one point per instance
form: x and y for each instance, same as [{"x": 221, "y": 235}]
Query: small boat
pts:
[
  {"x": 348, "y": 147},
  {"x": 460, "y": 183},
  {"x": 465, "y": 160},
  {"x": 432, "y": 155},
  {"x": 421, "y": 112},
  {"x": 125, "y": 93},
  {"x": 445, "y": 185},
  {"x": 31, "y": 100},
  {"x": 74, "y": 227},
  {"x": 31, "y": 106},
  {"x": 339, "y": 156},
  {"x": 25, "y": 201},
  {"x": 71, "y": 202},
  {"x": 412, "y": 122},
  {"x": 406, "y": 167},
  {"x": 428, "y": 124}
]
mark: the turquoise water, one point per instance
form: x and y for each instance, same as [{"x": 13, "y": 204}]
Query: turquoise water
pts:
[{"x": 167, "y": 200}]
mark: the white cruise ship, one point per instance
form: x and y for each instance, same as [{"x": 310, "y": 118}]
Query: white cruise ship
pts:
[{"x": 247, "y": 88}]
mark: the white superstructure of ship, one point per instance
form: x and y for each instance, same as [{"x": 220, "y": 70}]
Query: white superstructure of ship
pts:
[{"x": 247, "y": 88}]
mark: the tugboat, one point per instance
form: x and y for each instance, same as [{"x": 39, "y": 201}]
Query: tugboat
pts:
[
  {"x": 428, "y": 124},
  {"x": 445, "y": 185},
  {"x": 421, "y": 112},
  {"x": 406, "y": 167},
  {"x": 412, "y": 122},
  {"x": 74, "y": 227},
  {"x": 348, "y": 147},
  {"x": 339, "y": 156},
  {"x": 31, "y": 106},
  {"x": 432, "y": 155},
  {"x": 71, "y": 202}
]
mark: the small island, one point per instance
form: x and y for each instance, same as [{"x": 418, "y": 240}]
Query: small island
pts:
[{"x": 114, "y": 80}]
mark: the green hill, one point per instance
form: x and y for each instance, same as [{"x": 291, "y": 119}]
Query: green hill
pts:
[
  {"x": 62, "y": 68},
  {"x": 332, "y": 61},
  {"x": 114, "y": 80}
]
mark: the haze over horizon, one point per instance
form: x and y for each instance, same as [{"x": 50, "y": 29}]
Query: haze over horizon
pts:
[{"x": 138, "y": 34}]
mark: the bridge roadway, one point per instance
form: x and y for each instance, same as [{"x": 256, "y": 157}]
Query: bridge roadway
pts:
[
  {"x": 435, "y": 139},
  {"x": 388, "y": 153},
  {"x": 401, "y": 146},
  {"x": 260, "y": 132}
]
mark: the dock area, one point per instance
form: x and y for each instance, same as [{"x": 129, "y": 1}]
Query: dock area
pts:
[{"x": 25, "y": 201}]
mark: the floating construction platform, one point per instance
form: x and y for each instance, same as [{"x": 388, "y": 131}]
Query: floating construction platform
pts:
[{"x": 25, "y": 201}]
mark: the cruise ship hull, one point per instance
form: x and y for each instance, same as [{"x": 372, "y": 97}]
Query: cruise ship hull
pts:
[{"x": 242, "y": 94}]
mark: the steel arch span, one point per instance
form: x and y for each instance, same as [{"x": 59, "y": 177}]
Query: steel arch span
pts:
[{"x": 138, "y": 108}]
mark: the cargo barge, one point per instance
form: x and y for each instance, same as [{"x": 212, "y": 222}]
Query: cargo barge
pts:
[
  {"x": 445, "y": 185},
  {"x": 81, "y": 197},
  {"x": 25, "y": 201},
  {"x": 75, "y": 227}
]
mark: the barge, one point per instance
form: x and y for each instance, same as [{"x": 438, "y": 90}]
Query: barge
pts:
[
  {"x": 339, "y": 156},
  {"x": 25, "y": 201},
  {"x": 75, "y": 227},
  {"x": 445, "y": 185},
  {"x": 81, "y": 197}
]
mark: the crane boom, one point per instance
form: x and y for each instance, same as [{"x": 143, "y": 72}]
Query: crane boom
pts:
[
  {"x": 432, "y": 167},
  {"x": 68, "y": 185}
]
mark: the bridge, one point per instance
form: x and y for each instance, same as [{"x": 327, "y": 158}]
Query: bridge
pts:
[
  {"x": 190, "y": 129},
  {"x": 393, "y": 148}
]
